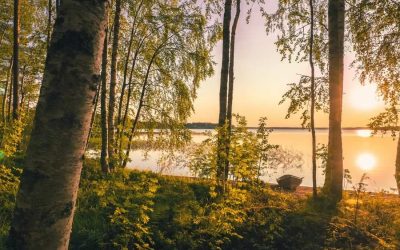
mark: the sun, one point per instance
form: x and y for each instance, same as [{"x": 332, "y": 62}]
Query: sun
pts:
[
  {"x": 364, "y": 97},
  {"x": 366, "y": 161}
]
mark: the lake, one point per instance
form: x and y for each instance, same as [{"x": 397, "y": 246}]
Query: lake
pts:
[{"x": 362, "y": 153}]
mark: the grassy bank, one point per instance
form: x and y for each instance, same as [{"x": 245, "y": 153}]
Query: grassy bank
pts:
[{"x": 142, "y": 210}]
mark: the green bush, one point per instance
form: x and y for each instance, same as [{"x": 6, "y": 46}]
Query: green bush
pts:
[
  {"x": 9, "y": 180},
  {"x": 113, "y": 210},
  {"x": 141, "y": 210}
]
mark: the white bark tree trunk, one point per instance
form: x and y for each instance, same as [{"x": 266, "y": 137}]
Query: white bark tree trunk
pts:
[{"x": 47, "y": 195}]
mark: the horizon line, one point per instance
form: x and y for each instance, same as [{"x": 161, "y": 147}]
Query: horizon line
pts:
[{"x": 281, "y": 127}]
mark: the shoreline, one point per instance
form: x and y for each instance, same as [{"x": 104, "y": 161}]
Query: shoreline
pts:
[{"x": 302, "y": 191}]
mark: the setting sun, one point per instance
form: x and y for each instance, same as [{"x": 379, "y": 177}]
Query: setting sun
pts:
[
  {"x": 186, "y": 124},
  {"x": 366, "y": 161}
]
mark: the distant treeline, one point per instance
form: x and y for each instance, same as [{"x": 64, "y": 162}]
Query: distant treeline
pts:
[
  {"x": 201, "y": 125},
  {"x": 209, "y": 125}
]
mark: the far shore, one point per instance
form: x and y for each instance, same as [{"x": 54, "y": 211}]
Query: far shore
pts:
[
  {"x": 207, "y": 125},
  {"x": 273, "y": 128}
]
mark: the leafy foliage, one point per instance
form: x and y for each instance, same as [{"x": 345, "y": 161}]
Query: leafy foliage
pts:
[
  {"x": 292, "y": 20},
  {"x": 142, "y": 210},
  {"x": 299, "y": 96},
  {"x": 322, "y": 156},
  {"x": 386, "y": 121},
  {"x": 251, "y": 155},
  {"x": 119, "y": 204},
  {"x": 9, "y": 181},
  {"x": 33, "y": 30},
  {"x": 375, "y": 34}
]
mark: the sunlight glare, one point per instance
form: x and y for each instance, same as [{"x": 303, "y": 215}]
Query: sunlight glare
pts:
[
  {"x": 364, "y": 97},
  {"x": 366, "y": 161},
  {"x": 364, "y": 133}
]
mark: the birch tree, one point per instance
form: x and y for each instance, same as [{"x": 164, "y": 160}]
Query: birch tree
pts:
[
  {"x": 333, "y": 185},
  {"x": 43, "y": 219},
  {"x": 303, "y": 38}
]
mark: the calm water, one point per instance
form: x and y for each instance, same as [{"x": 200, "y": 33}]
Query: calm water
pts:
[{"x": 362, "y": 154}]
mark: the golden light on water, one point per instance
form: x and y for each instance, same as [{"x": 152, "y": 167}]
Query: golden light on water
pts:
[
  {"x": 364, "y": 133},
  {"x": 366, "y": 161}
]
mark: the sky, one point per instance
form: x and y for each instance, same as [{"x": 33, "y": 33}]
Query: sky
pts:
[{"x": 261, "y": 79}]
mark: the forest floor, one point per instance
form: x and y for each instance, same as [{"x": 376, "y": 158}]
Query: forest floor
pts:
[
  {"x": 301, "y": 191},
  {"x": 144, "y": 210},
  {"x": 304, "y": 191}
]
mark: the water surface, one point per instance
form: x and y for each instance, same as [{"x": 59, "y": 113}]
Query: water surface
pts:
[{"x": 362, "y": 154}]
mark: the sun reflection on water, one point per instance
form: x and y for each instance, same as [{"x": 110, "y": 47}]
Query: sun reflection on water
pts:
[
  {"x": 364, "y": 133},
  {"x": 366, "y": 161}
]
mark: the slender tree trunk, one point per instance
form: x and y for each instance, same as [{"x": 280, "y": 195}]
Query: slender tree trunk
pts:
[
  {"x": 95, "y": 102},
  {"x": 231, "y": 82},
  {"x": 123, "y": 87},
  {"x": 312, "y": 108},
  {"x": 50, "y": 6},
  {"x": 22, "y": 88},
  {"x": 47, "y": 194},
  {"x": 397, "y": 173},
  {"x": 103, "y": 107},
  {"x": 8, "y": 83},
  {"x": 223, "y": 91},
  {"x": 128, "y": 56},
  {"x": 58, "y": 6},
  {"x": 10, "y": 97},
  {"x": 334, "y": 172},
  {"x": 121, "y": 98},
  {"x": 3, "y": 33},
  {"x": 128, "y": 98},
  {"x": 113, "y": 82},
  {"x": 16, "y": 60},
  {"x": 141, "y": 100}
]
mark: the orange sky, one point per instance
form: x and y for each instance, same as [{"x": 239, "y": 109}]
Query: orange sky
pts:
[{"x": 261, "y": 78}]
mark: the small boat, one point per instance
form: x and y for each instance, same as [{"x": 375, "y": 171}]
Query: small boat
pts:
[{"x": 289, "y": 182}]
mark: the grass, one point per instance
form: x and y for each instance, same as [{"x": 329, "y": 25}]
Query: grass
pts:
[{"x": 143, "y": 210}]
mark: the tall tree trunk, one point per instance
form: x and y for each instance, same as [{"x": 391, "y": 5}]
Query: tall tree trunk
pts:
[
  {"x": 47, "y": 194},
  {"x": 103, "y": 107},
  {"x": 123, "y": 87},
  {"x": 113, "y": 82},
  {"x": 397, "y": 173},
  {"x": 223, "y": 91},
  {"x": 58, "y": 6},
  {"x": 231, "y": 81},
  {"x": 16, "y": 60},
  {"x": 95, "y": 102},
  {"x": 312, "y": 108},
  {"x": 10, "y": 97},
  {"x": 128, "y": 56},
  {"x": 3, "y": 33},
  {"x": 141, "y": 100},
  {"x": 22, "y": 88},
  {"x": 121, "y": 98},
  {"x": 128, "y": 98},
  {"x": 334, "y": 172},
  {"x": 50, "y": 6},
  {"x": 8, "y": 83}
]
